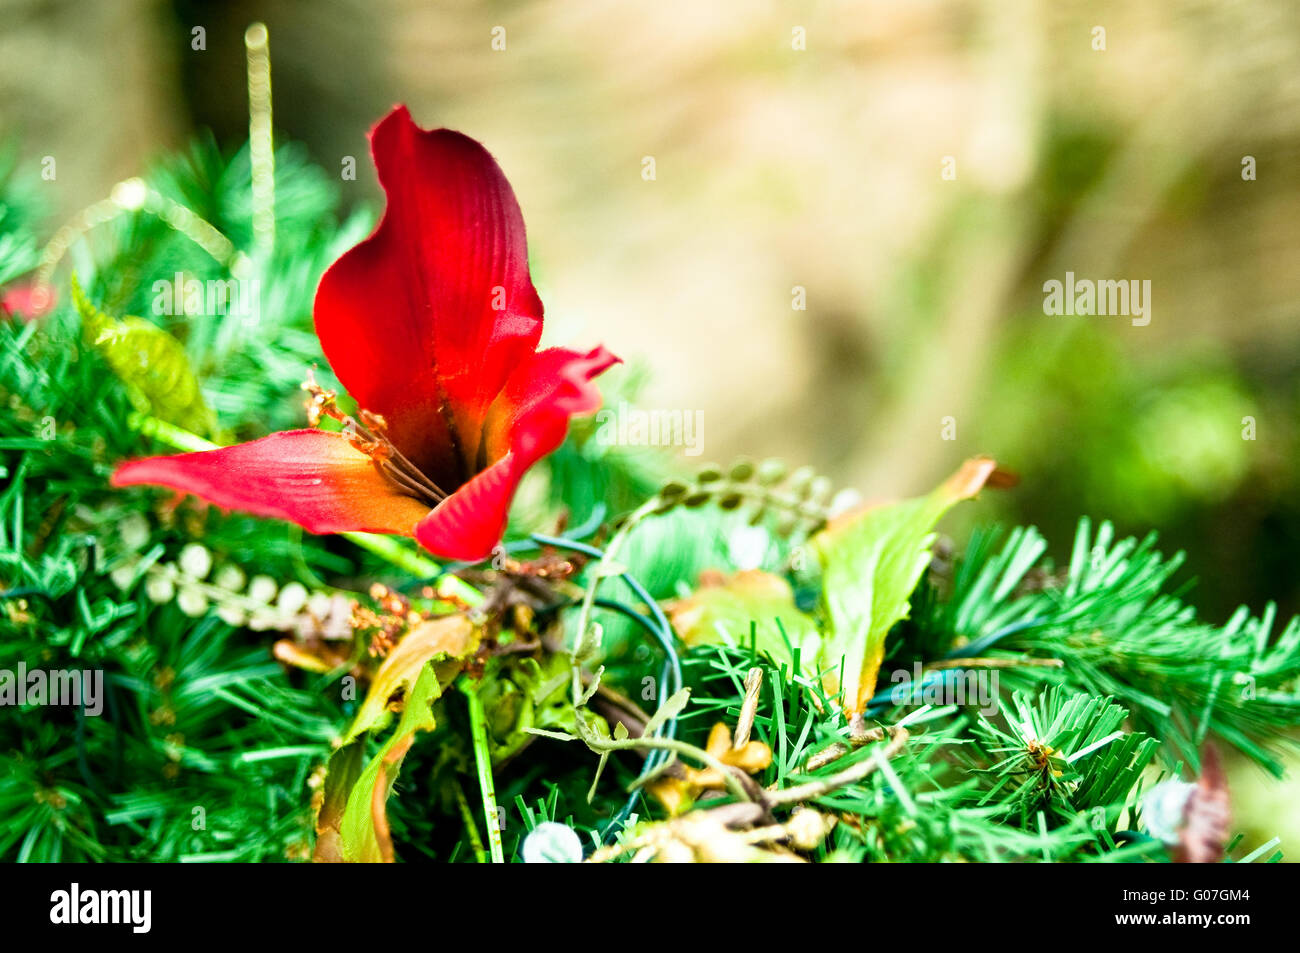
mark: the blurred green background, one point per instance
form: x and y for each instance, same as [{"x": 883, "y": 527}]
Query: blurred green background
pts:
[{"x": 823, "y": 168}]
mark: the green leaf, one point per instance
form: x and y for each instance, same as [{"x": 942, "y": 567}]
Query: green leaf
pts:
[
  {"x": 352, "y": 821},
  {"x": 871, "y": 561},
  {"x": 150, "y": 362},
  {"x": 447, "y": 639},
  {"x": 519, "y": 694},
  {"x": 670, "y": 709},
  {"x": 364, "y": 833},
  {"x": 724, "y": 609},
  {"x": 345, "y": 767}
]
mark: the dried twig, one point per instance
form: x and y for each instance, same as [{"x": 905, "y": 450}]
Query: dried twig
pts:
[
  {"x": 814, "y": 789},
  {"x": 985, "y": 662},
  {"x": 748, "y": 708}
]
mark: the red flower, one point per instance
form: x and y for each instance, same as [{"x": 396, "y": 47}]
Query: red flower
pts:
[
  {"x": 27, "y": 300},
  {"x": 432, "y": 325}
]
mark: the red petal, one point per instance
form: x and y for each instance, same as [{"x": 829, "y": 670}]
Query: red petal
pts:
[
  {"x": 29, "y": 300},
  {"x": 527, "y": 421},
  {"x": 425, "y": 320},
  {"x": 470, "y": 522},
  {"x": 310, "y": 477}
]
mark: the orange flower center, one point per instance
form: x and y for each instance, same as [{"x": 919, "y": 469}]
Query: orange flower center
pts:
[{"x": 370, "y": 436}]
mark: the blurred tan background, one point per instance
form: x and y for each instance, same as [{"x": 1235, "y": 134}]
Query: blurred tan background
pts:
[{"x": 823, "y": 168}]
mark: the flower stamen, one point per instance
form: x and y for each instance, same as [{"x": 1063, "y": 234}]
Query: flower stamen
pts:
[{"x": 370, "y": 436}]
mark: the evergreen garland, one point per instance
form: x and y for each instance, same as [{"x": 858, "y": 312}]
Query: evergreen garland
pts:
[{"x": 210, "y": 747}]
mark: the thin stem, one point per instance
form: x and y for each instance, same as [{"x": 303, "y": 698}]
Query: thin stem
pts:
[
  {"x": 483, "y": 761},
  {"x": 987, "y": 662},
  {"x": 169, "y": 434},
  {"x": 603, "y": 568},
  {"x": 471, "y": 829},
  {"x": 682, "y": 748},
  {"x": 261, "y": 145},
  {"x": 859, "y": 771},
  {"x": 391, "y": 551}
]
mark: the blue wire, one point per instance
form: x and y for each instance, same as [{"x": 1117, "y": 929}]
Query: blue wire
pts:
[
  {"x": 884, "y": 699},
  {"x": 986, "y": 642},
  {"x": 658, "y": 626}
]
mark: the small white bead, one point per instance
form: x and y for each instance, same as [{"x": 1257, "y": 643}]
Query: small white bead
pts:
[
  {"x": 552, "y": 843},
  {"x": 263, "y": 620},
  {"x": 292, "y": 598},
  {"x": 262, "y": 589},
  {"x": 195, "y": 561},
  {"x": 159, "y": 588},
  {"x": 1162, "y": 809},
  {"x": 122, "y": 576},
  {"x": 230, "y": 577},
  {"x": 232, "y": 615},
  {"x": 134, "y": 531},
  {"x": 192, "y": 602},
  {"x": 319, "y": 604}
]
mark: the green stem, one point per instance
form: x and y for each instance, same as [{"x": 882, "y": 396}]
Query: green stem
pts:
[
  {"x": 169, "y": 434},
  {"x": 729, "y": 779},
  {"x": 682, "y": 748},
  {"x": 483, "y": 761},
  {"x": 471, "y": 829},
  {"x": 386, "y": 548},
  {"x": 584, "y": 643},
  {"x": 391, "y": 551}
]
